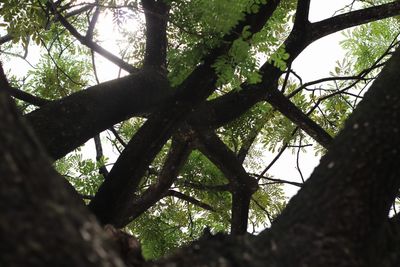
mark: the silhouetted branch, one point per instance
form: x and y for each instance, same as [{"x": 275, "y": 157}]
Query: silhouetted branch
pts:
[
  {"x": 26, "y": 97},
  {"x": 242, "y": 186},
  {"x": 92, "y": 45},
  {"x": 189, "y": 199},
  {"x": 156, "y": 14}
]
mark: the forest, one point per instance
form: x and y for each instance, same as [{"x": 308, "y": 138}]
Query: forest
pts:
[{"x": 203, "y": 103}]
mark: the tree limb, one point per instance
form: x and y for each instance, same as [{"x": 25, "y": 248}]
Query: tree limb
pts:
[
  {"x": 302, "y": 13},
  {"x": 92, "y": 45},
  {"x": 354, "y": 18},
  {"x": 173, "y": 193},
  {"x": 176, "y": 158},
  {"x": 242, "y": 186},
  {"x": 156, "y": 14},
  {"x": 65, "y": 124},
  {"x": 26, "y": 97}
]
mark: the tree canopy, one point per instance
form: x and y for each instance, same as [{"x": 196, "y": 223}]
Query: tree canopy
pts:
[{"x": 204, "y": 89}]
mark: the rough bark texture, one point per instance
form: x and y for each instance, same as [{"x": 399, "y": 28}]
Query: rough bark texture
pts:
[{"x": 43, "y": 222}]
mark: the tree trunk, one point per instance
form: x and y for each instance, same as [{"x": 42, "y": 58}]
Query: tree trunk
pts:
[{"x": 43, "y": 222}]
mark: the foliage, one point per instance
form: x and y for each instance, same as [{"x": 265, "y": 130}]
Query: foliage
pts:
[
  {"x": 83, "y": 174},
  {"x": 195, "y": 27}
]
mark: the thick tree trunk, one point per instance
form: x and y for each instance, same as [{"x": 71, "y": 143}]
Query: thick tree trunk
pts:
[{"x": 42, "y": 220}]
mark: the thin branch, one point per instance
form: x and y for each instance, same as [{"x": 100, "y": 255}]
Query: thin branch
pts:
[
  {"x": 283, "y": 148},
  {"x": 322, "y": 80},
  {"x": 92, "y": 45},
  {"x": 58, "y": 67},
  {"x": 203, "y": 187},
  {"x": 8, "y": 37},
  {"x": 298, "y": 158},
  {"x": 117, "y": 136},
  {"x": 26, "y": 97},
  {"x": 92, "y": 22},
  {"x": 189, "y": 199},
  {"x": 354, "y": 18},
  {"x": 18, "y": 56},
  {"x": 285, "y": 81},
  {"x": 275, "y": 180},
  {"x": 248, "y": 142},
  {"x": 263, "y": 209}
]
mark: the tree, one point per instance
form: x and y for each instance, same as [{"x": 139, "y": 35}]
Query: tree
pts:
[{"x": 338, "y": 218}]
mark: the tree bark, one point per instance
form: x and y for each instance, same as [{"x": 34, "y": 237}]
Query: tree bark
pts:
[
  {"x": 65, "y": 124},
  {"x": 43, "y": 221}
]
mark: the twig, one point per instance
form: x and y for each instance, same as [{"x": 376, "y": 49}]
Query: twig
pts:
[
  {"x": 190, "y": 199},
  {"x": 92, "y": 45}
]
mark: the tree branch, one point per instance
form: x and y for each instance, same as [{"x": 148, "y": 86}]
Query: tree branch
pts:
[
  {"x": 156, "y": 14},
  {"x": 280, "y": 181},
  {"x": 203, "y": 187},
  {"x": 302, "y": 13},
  {"x": 5, "y": 38},
  {"x": 190, "y": 199},
  {"x": 353, "y": 18},
  {"x": 242, "y": 186},
  {"x": 92, "y": 22},
  {"x": 99, "y": 155},
  {"x": 65, "y": 124},
  {"x": 176, "y": 158},
  {"x": 89, "y": 43},
  {"x": 26, "y": 97}
]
